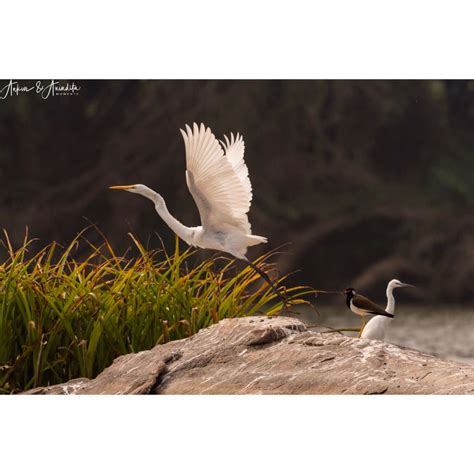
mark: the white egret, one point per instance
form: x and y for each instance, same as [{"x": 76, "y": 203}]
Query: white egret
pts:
[
  {"x": 376, "y": 327},
  {"x": 218, "y": 180}
]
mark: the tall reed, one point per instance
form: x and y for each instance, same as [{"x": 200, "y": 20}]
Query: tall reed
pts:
[{"x": 62, "y": 318}]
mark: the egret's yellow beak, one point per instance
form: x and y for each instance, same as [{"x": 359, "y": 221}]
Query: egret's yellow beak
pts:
[{"x": 129, "y": 186}]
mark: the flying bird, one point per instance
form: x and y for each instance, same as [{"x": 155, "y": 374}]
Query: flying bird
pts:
[
  {"x": 218, "y": 180},
  {"x": 375, "y": 328},
  {"x": 364, "y": 307}
]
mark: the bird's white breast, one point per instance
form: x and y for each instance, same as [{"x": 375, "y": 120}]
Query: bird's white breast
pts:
[
  {"x": 357, "y": 310},
  {"x": 375, "y": 328}
]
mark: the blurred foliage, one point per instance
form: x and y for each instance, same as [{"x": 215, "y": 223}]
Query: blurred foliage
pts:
[{"x": 369, "y": 180}]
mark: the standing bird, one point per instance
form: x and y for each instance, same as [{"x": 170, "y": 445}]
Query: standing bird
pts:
[
  {"x": 375, "y": 328},
  {"x": 218, "y": 180},
  {"x": 364, "y": 307}
]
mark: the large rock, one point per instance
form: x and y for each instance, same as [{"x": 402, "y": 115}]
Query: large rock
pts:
[{"x": 274, "y": 355}]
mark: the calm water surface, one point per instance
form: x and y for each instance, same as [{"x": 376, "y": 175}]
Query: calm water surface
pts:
[{"x": 446, "y": 331}]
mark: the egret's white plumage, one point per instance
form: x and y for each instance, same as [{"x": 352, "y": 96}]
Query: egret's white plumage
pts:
[
  {"x": 377, "y": 326},
  {"x": 219, "y": 182}
]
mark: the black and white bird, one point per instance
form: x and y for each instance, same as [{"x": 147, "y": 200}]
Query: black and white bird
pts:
[
  {"x": 376, "y": 327},
  {"x": 363, "y": 307}
]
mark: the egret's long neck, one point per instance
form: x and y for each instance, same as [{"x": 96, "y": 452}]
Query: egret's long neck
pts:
[
  {"x": 179, "y": 229},
  {"x": 390, "y": 300}
]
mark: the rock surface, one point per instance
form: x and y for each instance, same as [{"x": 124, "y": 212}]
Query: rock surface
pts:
[{"x": 262, "y": 355}]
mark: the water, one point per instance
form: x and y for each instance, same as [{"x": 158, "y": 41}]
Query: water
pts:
[{"x": 446, "y": 331}]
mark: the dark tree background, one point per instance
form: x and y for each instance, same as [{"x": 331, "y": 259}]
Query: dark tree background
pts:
[{"x": 368, "y": 180}]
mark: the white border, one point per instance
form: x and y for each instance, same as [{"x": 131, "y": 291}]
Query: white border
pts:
[
  {"x": 244, "y": 39},
  {"x": 236, "y": 434}
]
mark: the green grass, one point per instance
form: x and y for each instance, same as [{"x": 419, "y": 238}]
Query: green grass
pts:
[{"x": 61, "y": 318}]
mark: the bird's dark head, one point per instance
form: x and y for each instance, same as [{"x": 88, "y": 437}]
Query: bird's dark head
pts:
[{"x": 349, "y": 292}]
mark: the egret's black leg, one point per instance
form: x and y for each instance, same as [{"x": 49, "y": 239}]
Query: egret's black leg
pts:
[{"x": 269, "y": 281}]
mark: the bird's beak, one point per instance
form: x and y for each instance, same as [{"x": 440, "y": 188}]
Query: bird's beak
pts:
[
  {"x": 408, "y": 285},
  {"x": 125, "y": 188}
]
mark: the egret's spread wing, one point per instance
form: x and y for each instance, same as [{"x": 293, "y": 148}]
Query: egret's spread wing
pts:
[
  {"x": 217, "y": 183},
  {"x": 234, "y": 152}
]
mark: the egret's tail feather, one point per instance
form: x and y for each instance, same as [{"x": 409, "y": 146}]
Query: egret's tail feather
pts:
[{"x": 255, "y": 240}]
